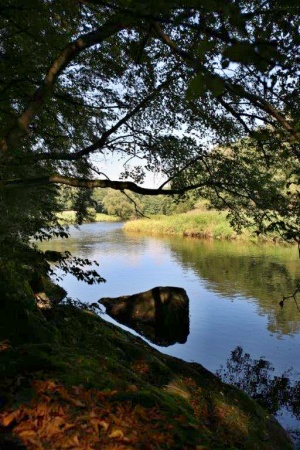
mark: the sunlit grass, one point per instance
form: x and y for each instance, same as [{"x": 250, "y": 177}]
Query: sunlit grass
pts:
[
  {"x": 198, "y": 223},
  {"x": 100, "y": 217},
  {"x": 69, "y": 217}
]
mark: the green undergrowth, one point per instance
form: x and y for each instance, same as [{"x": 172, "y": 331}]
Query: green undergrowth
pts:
[{"x": 187, "y": 404}]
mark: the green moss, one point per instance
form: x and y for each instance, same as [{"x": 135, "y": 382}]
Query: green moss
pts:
[
  {"x": 94, "y": 354},
  {"x": 21, "y": 321},
  {"x": 53, "y": 291}
]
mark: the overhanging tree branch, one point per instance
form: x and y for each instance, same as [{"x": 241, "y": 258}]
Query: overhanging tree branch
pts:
[
  {"x": 209, "y": 182},
  {"x": 67, "y": 55},
  {"x": 92, "y": 184}
]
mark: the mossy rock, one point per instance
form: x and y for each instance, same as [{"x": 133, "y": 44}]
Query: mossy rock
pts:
[
  {"x": 53, "y": 291},
  {"x": 20, "y": 320}
]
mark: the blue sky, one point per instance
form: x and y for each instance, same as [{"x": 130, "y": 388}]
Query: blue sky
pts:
[{"x": 113, "y": 166}]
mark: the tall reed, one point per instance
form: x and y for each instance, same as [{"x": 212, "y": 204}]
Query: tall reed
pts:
[{"x": 204, "y": 223}]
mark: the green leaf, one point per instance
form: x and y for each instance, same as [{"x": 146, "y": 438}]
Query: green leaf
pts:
[
  {"x": 201, "y": 84},
  {"x": 203, "y": 47},
  {"x": 216, "y": 85},
  {"x": 261, "y": 135},
  {"x": 197, "y": 87},
  {"x": 225, "y": 63},
  {"x": 240, "y": 52}
]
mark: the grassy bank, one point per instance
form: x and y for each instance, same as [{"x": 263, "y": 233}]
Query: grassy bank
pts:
[
  {"x": 69, "y": 217},
  {"x": 96, "y": 386},
  {"x": 198, "y": 223}
]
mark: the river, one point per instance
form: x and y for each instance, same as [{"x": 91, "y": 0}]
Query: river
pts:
[{"x": 234, "y": 291}]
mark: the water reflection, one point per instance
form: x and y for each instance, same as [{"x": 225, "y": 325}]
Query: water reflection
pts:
[
  {"x": 278, "y": 394},
  {"x": 94, "y": 240},
  {"x": 234, "y": 290},
  {"x": 265, "y": 273}
]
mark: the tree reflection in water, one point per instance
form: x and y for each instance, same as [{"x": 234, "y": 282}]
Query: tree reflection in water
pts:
[{"x": 276, "y": 393}]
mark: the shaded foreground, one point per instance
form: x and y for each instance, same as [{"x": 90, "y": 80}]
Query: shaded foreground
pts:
[{"x": 95, "y": 386}]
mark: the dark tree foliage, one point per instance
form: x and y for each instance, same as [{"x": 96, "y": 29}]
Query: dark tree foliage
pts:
[{"x": 205, "y": 91}]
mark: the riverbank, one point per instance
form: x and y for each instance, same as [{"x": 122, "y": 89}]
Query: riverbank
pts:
[
  {"x": 69, "y": 217},
  {"x": 93, "y": 385},
  {"x": 206, "y": 224},
  {"x": 197, "y": 223}
]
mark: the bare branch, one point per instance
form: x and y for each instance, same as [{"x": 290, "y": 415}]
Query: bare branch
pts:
[
  {"x": 137, "y": 211},
  {"x": 293, "y": 296},
  {"x": 98, "y": 172},
  {"x": 73, "y": 101},
  {"x": 186, "y": 166},
  {"x": 234, "y": 113},
  {"x": 100, "y": 143}
]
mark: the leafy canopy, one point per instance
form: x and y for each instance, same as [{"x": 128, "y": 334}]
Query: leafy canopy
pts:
[{"x": 172, "y": 84}]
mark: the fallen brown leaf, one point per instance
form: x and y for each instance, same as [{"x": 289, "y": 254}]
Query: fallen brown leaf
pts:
[
  {"x": 4, "y": 345},
  {"x": 116, "y": 434},
  {"x": 27, "y": 434},
  {"x": 9, "y": 418}
]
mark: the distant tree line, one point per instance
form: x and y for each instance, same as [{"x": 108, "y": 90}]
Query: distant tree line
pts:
[{"x": 126, "y": 205}]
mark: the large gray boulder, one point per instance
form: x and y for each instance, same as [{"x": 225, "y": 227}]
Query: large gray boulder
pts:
[{"x": 160, "y": 314}]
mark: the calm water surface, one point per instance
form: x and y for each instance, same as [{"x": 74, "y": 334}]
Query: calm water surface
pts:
[{"x": 234, "y": 291}]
